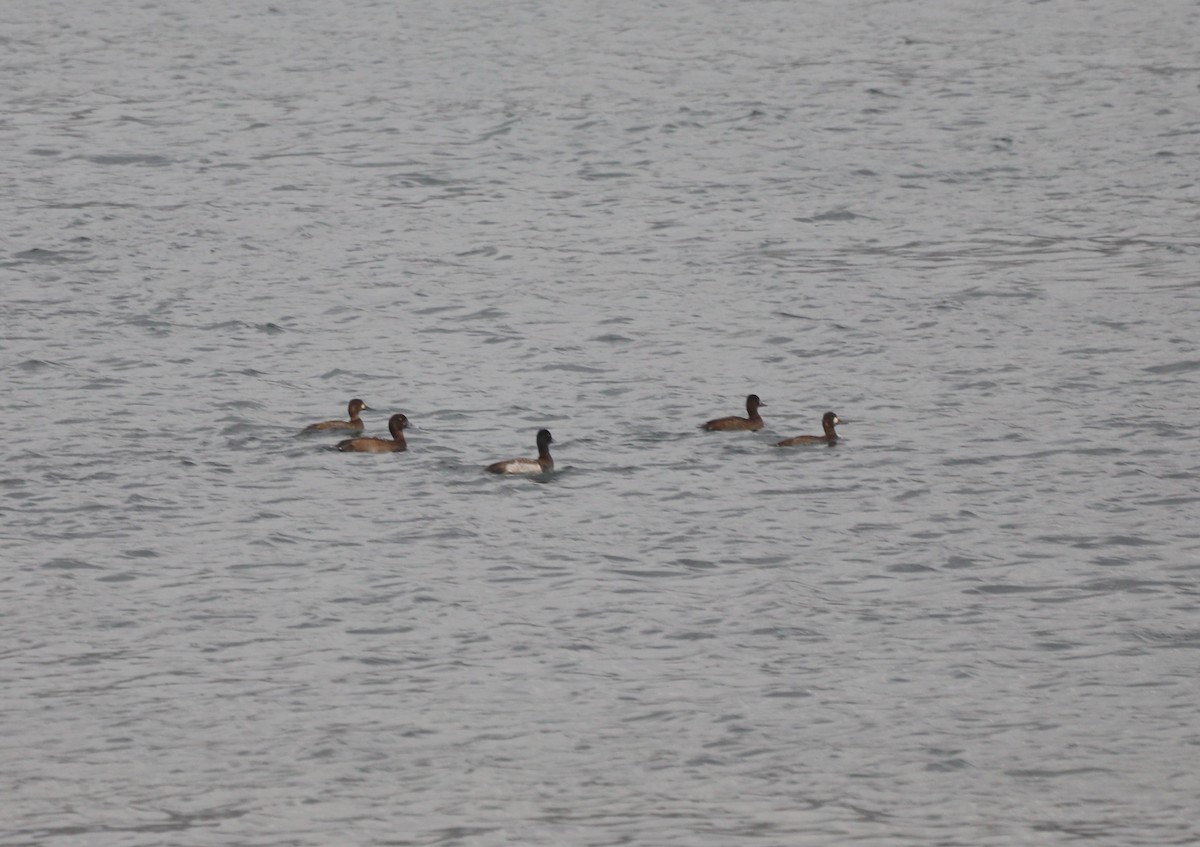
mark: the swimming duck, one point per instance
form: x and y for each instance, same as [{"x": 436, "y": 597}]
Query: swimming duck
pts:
[
  {"x": 752, "y": 422},
  {"x": 541, "y": 464},
  {"x": 396, "y": 425},
  {"x": 828, "y": 422},
  {"x": 355, "y": 422}
]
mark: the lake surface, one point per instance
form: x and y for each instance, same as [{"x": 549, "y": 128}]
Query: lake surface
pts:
[{"x": 969, "y": 228}]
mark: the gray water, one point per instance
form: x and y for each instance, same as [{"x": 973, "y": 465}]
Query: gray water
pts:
[{"x": 969, "y": 228}]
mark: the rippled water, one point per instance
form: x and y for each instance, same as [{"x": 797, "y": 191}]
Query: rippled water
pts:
[{"x": 968, "y": 228}]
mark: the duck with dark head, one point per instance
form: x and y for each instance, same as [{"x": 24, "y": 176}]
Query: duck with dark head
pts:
[
  {"x": 395, "y": 444},
  {"x": 753, "y": 421},
  {"x": 542, "y": 464}
]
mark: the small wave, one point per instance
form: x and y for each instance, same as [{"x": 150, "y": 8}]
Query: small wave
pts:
[
  {"x": 835, "y": 215},
  {"x": 36, "y": 365},
  {"x": 41, "y": 255},
  {"x": 1174, "y": 367},
  {"x": 573, "y": 368},
  {"x": 1005, "y": 589},
  {"x": 129, "y": 159},
  {"x": 70, "y": 565}
]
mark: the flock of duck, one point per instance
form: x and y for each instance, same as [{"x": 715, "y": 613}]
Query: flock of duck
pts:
[{"x": 543, "y": 463}]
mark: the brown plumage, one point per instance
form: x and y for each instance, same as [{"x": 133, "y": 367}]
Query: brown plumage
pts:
[
  {"x": 396, "y": 444},
  {"x": 830, "y": 437},
  {"x": 751, "y": 422},
  {"x": 355, "y": 406}
]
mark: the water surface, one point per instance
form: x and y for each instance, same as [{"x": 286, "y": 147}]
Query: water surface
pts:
[{"x": 967, "y": 228}]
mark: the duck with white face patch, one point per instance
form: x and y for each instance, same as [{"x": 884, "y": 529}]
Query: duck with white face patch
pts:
[{"x": 354, "y": 408}]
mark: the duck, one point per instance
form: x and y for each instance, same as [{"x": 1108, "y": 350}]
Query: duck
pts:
[
  {"x": 828, "y": 422},
  {"x": 541, "y": 464},
  {"x": 396, "y": 444},
  {"x": 355, "y": 406},
  {"x": 752, "y": 421}
]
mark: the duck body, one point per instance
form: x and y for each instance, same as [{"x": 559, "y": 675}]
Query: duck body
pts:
[
  {"x": 395, "y": 444},
  {"x": 753, "y": 421},
  {"x": 828, "y": 422},
  {"x": 353, "y": 409},
  {"x": 542, "y": 464}
]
